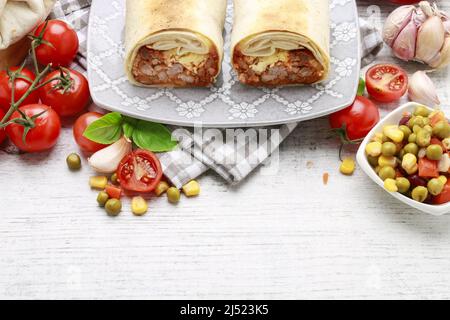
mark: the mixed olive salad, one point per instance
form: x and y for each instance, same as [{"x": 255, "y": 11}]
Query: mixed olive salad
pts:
[{"x": 413, "y": 157}]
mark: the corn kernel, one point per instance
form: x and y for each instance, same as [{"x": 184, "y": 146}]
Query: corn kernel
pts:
[
  {"x": 443, "y": 179},
  {"x": 373, "y": 149},
  {"x": 378, "y": 137},
  {"x": 98, "y": 182},
  {"x": 390, "y": 185},
  {"x": 191, "y": 189},
  {"x": 347, "y": 166},
  {"x": 409, "y": 163},
  {"x": 384, "y": 161},
  {"x": 139, "y": 206},
  {"x": 394, "y": 133},
  {"x": 161, "y": 188}
]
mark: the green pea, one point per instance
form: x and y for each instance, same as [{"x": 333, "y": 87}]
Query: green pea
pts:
[
  {"x": 387, "y": 173},
  {"x": 388, "y": 149},
  {"x": 403, "y": 184},
  {"x": 113, "y": 207},
  {"x": 406, "y": 131},
  {"x": 102, "y": 198},
  {"x": 114, "y": 178},
  {"x": 435, "y": 186},
  {"x": 419, "y": 194},
  {"x": 442, "y": 129},
  {"x": 411, "y": 148},
  {"x": 73, "y": 161},
  {"x": 418, "y": 121},
  {"x": 421, "y": 111},
  {"x": 428, "y": 128},
  {"x": 434, "y": 152},
  {"x": 412, "y": 138},
  {"x": 423, "y": 138},
  {"x": 416, "y": 128}
]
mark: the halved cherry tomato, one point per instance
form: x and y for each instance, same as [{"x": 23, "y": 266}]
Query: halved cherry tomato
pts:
[
  {"x": 64, "y": 43},
  {"x": 444, "y": 196},
  {"x": 114, "y": 192},
  {"x": 428, "y": 168},
  {"x": 358, "y": 119},
  {"x": 67, "y": 97},
  {"x": 80, "y": 126},
  {"x": 140, "y": 171},
  {"x": 42, "y": 136},
  {"x": 2, "y": 131},
  {"x": 21, "y": 86},
  {"x": 386, "y": 82}
]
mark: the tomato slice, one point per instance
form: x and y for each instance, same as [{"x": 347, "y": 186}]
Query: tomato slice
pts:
[
  {"x": 428, "y": 168},
  {"x": 114, "y": 192},
  {"x": 140, "y": 171},
  {"x": 386, "y": 82},
  {"x": 444, "y": 196}
]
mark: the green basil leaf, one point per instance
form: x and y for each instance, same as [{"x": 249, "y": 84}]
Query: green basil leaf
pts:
[
  {"x": 153, "y": 137},
  {"x": 128, "y": 126},
  {"x": 106, "y": 130},
  {"x": 361, "y": 87}
]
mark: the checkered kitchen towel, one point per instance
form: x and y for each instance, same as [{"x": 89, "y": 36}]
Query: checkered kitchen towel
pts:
[{"x": 232, "y": 160}]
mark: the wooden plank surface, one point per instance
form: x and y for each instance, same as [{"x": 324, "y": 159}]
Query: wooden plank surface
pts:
[{"x": 279, "y": 235}]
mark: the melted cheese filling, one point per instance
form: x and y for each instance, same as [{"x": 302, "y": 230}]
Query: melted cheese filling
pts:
[
  {"x": 263, "y": 62},
  {"x": 190, "y": 61}
]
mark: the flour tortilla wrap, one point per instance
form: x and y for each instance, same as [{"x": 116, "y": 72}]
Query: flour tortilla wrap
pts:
[
  {"x": 182, "y": 32},
  {"x": 269, "y": 29}
]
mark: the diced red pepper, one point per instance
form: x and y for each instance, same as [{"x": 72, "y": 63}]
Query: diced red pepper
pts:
[
  {"x": 428, "y": 168},
  {"x": 114, "y": 192},
  {"x": 444, "y": 196}
]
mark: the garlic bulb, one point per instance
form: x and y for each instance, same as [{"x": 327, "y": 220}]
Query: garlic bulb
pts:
[
  {"x": 419, "y": 33},
  {"x": 422, "y": 90},
  {"x": 108, "y": 159}
]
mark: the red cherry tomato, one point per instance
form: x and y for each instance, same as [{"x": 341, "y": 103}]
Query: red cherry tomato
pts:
[
  {"x": 386, "y": 82},
  {"x": 42, "y": 136},
  {"x": 80, "y": 126},
  {"x": 358, "y": 119},
  {"x": 140, "y": 171},
  {"x": 64, "y": 42},
  {"x": 20, "y": 88},
  {"x": 68, "y": 97},
  {"x": 2, "y": 131}
]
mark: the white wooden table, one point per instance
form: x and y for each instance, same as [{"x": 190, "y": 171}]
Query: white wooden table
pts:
[{"x": 285, "y": 235}]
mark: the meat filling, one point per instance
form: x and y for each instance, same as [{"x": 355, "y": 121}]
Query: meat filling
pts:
[
  {"x": 165, "y": 68},
  {"x": 283, "y": 68}
]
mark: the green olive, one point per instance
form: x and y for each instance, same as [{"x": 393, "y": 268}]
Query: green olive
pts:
[
  {"x": 114, "y": 179},
  {"x": 406, "y": 131},
  {"x": 435, "y": 186},
  {"x": 388, "y": 149},
  {"x": 74, "y": 161},
  {"x": 411, "y": 148},
  {"x": 102, "y": 198},
  {"x": 412, "y": 138},
  {"x": 421, "y": 111},
  {"x": 387, "y": 173},
  {"x": 373, "y": 161},
  {"x": 420, "y": 194},
  {"x": 113, "y": 207},
  {"x": 403, "y": 184},
  {"x": 423, "y": 138},
  {"x": 442, "y": 129},
  {"x": 434, "y": 152},
  {"x": 173, "y": 195}
]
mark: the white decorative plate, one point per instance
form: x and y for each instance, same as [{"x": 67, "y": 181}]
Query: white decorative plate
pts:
[{"x": 228, "y": 103}]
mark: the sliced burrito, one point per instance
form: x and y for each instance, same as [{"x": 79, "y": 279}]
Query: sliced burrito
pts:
[
  {"x": 283, "y": 42},
  {"x": 174, "y": 43}
]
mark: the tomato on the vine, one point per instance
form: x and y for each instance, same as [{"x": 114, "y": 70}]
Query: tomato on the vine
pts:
[
  {"x": 21, "y": 86},
  {"x": 64, "y": 43},
  {"x": 80, "y": 126},
  {"x": 42, "y": 136},
  {"x": 69, "y": 95},
  {"x": 357, "y": 120},
  {"x": 386, "y": 82},
  {"x": 140, "y": 171},
  {"x": 2, "y": 131}
]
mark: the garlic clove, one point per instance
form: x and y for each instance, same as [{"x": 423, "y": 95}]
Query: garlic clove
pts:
[
  {"x": 423, "y": 90},
  {"x": 108, "y": 159},
  {"x": 447, "y": 27},
  {"x": 426, "y": 8},
  {"x": 405, "y": 45},
  {"x": 395, "y": 23},
  {"x": 443, "y": 58},
  {"x": 430, "y": 39}
]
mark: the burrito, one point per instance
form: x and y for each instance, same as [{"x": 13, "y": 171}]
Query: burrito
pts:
[
  {"x": 174, "y": 43},
  {"x": 283, "y": 42}
]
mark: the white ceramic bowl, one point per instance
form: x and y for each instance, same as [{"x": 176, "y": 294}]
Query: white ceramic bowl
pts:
[{"x": 394, "y": 118}]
